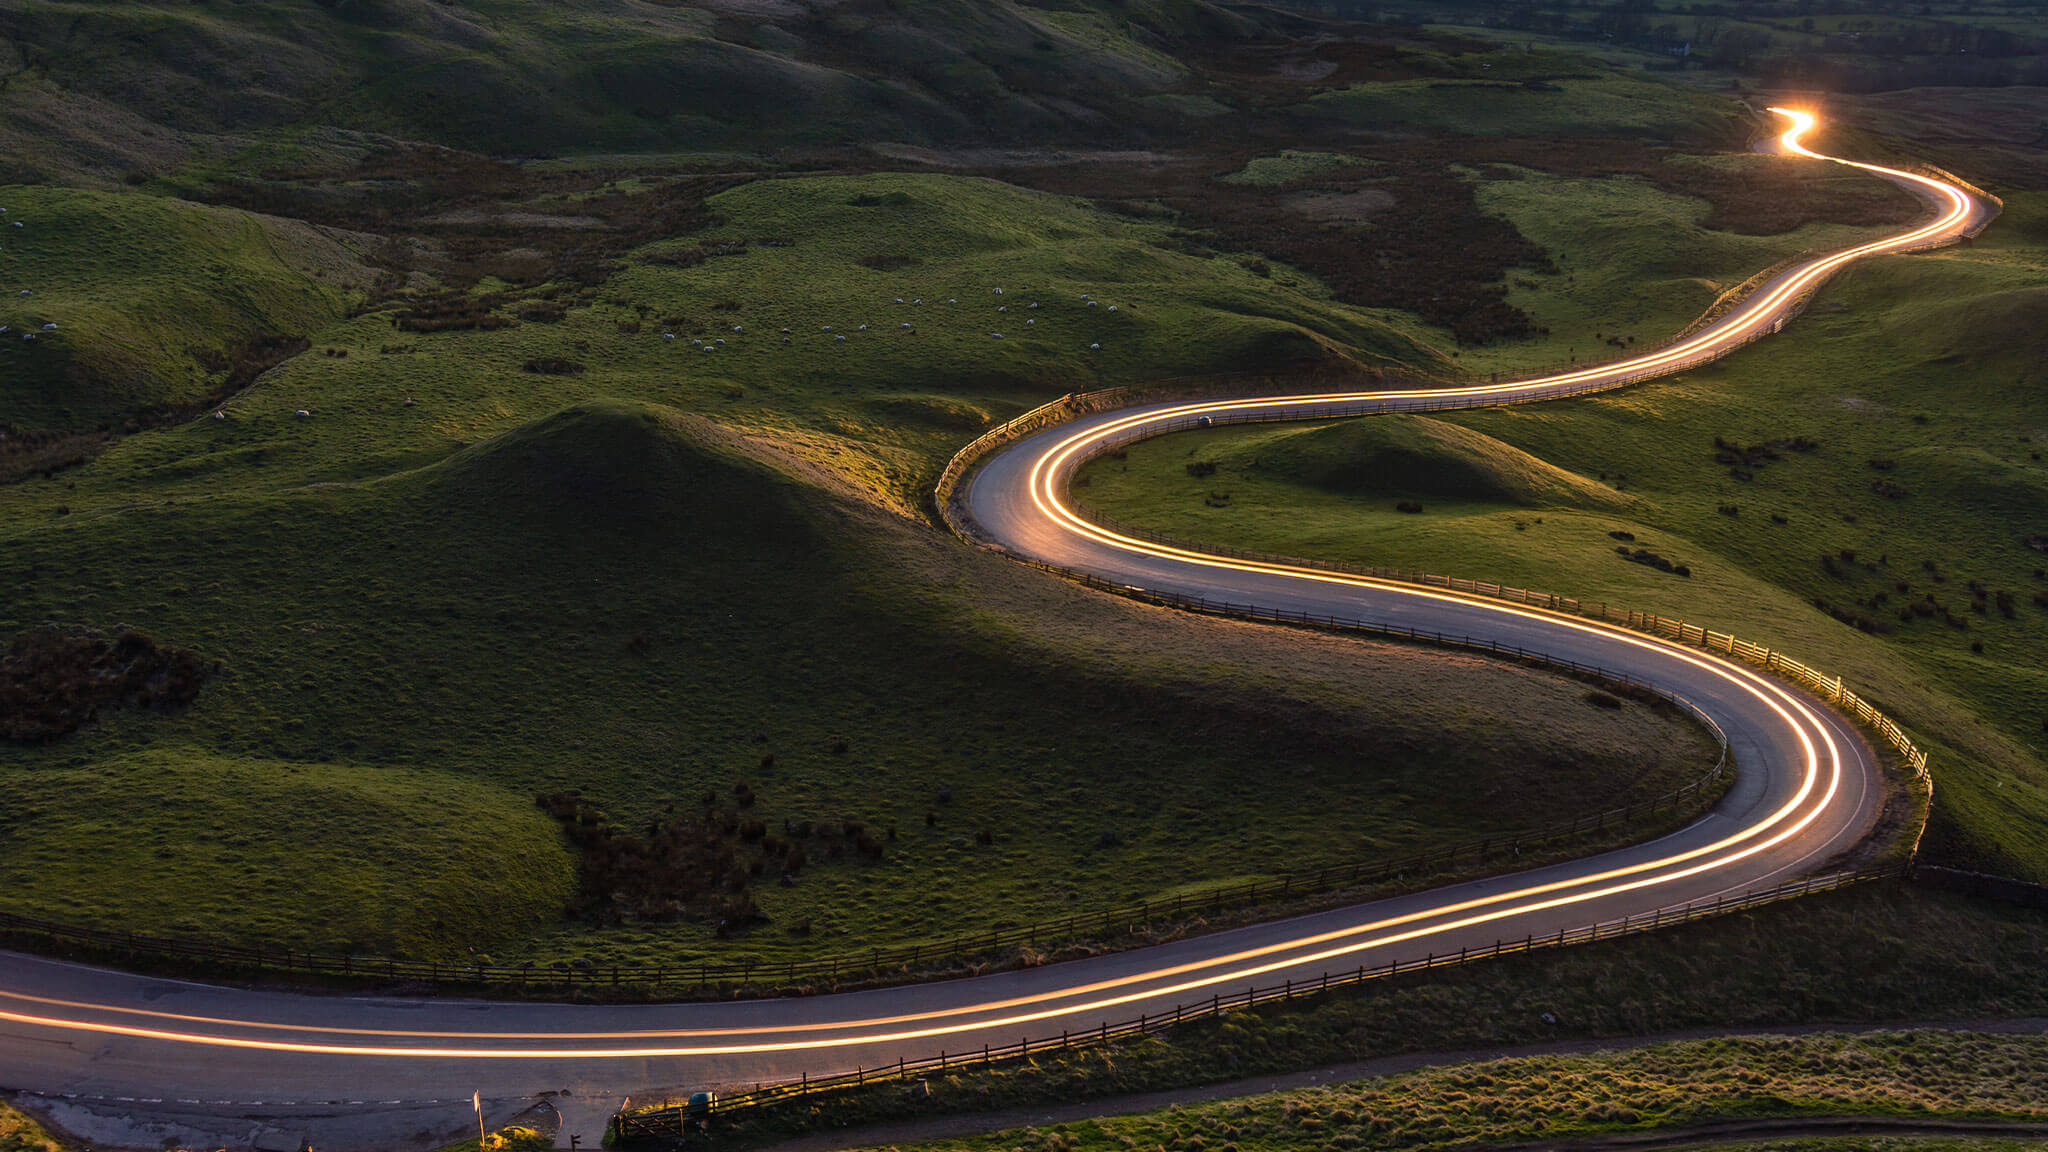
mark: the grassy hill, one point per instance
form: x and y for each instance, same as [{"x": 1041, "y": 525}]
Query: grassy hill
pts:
[
  {"x": 159, "y": 305},
  {"x": 509, "y": 77},
  {"x": 649, "y": 609}
]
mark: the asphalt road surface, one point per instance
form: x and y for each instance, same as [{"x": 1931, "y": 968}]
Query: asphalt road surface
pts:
[{"x": 132, "y": 1059}]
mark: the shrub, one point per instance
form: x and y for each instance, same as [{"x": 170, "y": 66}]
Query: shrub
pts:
[
  {"x": 1408, "y": 506},
  {"x": 54, "y": 681},
  {"x": 552, "y": 366},
  {"x": 1599, "y": 699},
  {"x": 1201, "y": 469}
]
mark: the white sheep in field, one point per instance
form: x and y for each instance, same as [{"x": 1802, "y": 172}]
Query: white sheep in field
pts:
[
  {"x": 1095, "y": 347},
  {"x": 736, "y": 327},
  {"x": 905, "y": 327},
  {"x": 839, "y": 339},
  {"x": 302, "y": 413},
  {"x": 996, "y": 335}
]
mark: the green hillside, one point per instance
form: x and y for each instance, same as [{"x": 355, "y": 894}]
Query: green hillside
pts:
[
  {"x": 511, "y": 77},
  {"x": 156, "y": 303}
]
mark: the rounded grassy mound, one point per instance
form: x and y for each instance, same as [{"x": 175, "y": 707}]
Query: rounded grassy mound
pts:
[
  {"x": 1421, "y": 457},
  {"x": 621, "y": 470}
]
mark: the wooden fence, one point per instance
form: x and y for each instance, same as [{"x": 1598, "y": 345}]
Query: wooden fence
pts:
[{"x": 670, "y": 1122}]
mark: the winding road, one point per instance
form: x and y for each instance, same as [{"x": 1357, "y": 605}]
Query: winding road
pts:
[{"x": 132, "y": 1058}]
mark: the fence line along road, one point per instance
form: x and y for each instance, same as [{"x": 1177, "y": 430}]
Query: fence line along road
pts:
[
  {"x": 671, "y": 1122},
  {"x": 1833, "y": 688}
]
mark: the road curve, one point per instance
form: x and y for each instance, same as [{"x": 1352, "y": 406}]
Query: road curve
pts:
[{"x": 1807, "y": 788}]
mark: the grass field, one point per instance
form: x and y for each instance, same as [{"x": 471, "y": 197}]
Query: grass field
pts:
[
  {"x": 1913, "y": 382},
  {"x": 1921, "y": 1074}
]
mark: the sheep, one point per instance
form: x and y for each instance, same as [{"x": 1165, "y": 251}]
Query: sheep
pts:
[
  {"x": 999, "y": 291},
  {"x": 996, "y": 335},
  {"x": 1003, "y": 308},
  {"x": 28, "y": 337},
  {"x": 27, "y": 292},
  {"x": 1034, "y": 304},
  {"x": 220, "y": 415},
  {"x": 899, "y": 299},
  {"x": 952, "y": 299},
  {"x": 905, "y": 327},
  {"x": 826, "y": 328},
  {"x": 839, "y": 339},
  {"x": 668, "y": 335},
  {"x": 862, "y": 328},
  {"x": 721, "y": 339},
  {"x": 49, "y": 327},
  {"x": 19, "y": 224},
  {"x": 785, "y": 331},
  {"x": 1029, "y": 323},
  {"x": 919, "y": 300},
  {"x": 1093, "y": 304},
  {"x": 1095, "y": 347},
  {"x": 736, "y": 327},
  {"x": 710, "y": 347},
  {"x": 1112, "y": 307},
  {"x": 302, "y": 413}
]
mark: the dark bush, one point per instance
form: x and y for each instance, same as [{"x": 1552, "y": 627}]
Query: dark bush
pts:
[
  {"x": 1628, "y": 536},
  {"x": 1201, "y": 469},
  {"x": 1599, "y": 699},
  {"x": 552, "y": 366},
  {"x": 1650, "y": 559},
  {"x": 1408, "y": 506},
  {"x": 54, "y": 681}
]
